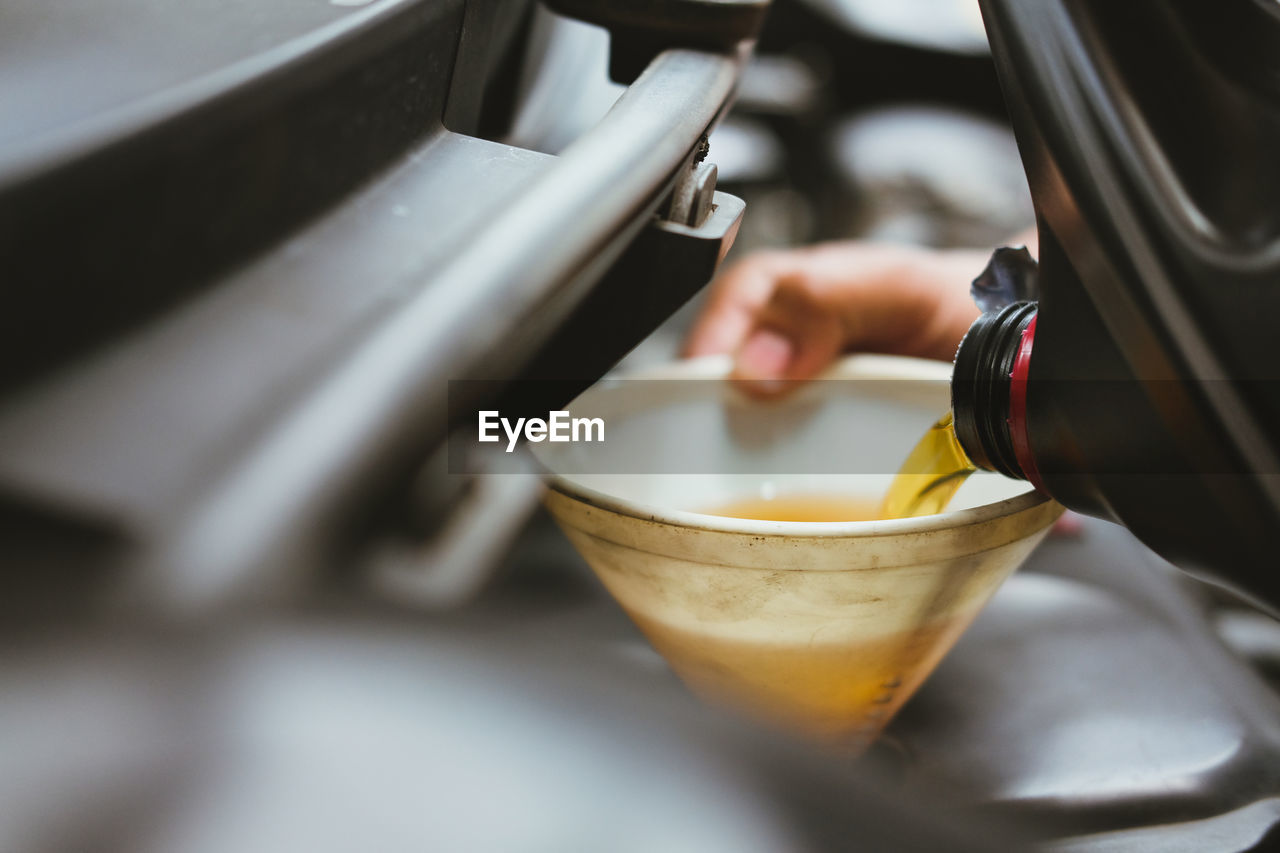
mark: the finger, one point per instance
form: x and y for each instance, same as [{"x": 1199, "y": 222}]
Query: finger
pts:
[
  {"x": 902, "y": 301},
  {"x": 795, "y": 337},
  {"x": 736, "y": 297}
]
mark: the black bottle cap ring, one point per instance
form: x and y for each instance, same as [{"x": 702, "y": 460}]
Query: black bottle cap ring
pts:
[{"x": 981, "y": 384}]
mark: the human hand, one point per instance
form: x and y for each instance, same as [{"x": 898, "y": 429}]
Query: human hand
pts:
[{"x": 786, "y": 315}]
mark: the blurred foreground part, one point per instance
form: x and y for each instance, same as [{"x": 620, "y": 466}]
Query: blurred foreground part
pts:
[
  {"x": 1103, "y": 702},
  {"x": 1091, "y": 705},
  {"x": 365, "y": 731},
  {"x": 246, "y": 251}
]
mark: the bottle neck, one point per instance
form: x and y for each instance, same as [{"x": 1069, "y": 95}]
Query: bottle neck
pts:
[{"x": 989, "y": 391}]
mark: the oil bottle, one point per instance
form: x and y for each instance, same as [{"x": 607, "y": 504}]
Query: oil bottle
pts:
[
  {"x": 1042, "y": 392},
  {"x": 1143, "y": 385}
]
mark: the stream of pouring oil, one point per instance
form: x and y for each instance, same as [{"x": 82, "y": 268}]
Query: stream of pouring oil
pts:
[
  {"x": 930, "y": 476},
  {"x": 928, "y": 479}
]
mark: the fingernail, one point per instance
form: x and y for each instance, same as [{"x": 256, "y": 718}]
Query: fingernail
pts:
[{"x": 765, "y": 355}]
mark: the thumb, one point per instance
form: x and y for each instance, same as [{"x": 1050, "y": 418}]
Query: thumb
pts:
[{"x": 794, "y": 338}]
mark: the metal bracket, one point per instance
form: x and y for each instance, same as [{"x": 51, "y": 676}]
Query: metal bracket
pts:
[
  {"x": 691, "y": 198},
  {"x": 665, "y": 266}
]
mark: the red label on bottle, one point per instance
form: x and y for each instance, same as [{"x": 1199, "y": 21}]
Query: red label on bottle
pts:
[{"x": 1018, "y": 406}]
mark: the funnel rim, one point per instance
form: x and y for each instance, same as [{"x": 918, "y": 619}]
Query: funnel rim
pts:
[
  {"x": 859, "y": 366},
  {"x": 883, "y": 527}
]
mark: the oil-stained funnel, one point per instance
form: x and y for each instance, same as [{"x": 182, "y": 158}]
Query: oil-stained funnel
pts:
[{"x": 824, "y": 627}]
